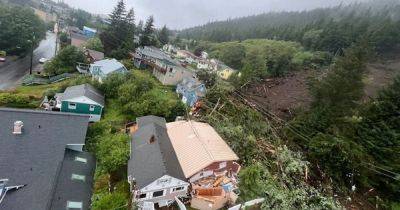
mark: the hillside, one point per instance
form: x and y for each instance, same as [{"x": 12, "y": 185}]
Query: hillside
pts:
[{"x": 328, "y": 29}]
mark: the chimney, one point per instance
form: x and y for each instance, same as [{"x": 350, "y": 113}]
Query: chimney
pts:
[{"x": 18, "y": 127}]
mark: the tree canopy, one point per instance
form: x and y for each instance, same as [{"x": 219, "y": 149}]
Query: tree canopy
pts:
[
  {"x": 65, "y": 61},
  {"x": 324, "y": 29},
  {"x": 19, "y": 28},
  {"x": 118, "y": 37}
]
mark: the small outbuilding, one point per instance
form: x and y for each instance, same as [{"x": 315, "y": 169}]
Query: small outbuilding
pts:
[{"x": 81, "y": 99}]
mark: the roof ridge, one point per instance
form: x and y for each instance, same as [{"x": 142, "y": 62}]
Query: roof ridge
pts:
[
  {"x": 200, "y": 140},
  {"x": 32, "y": 111}
]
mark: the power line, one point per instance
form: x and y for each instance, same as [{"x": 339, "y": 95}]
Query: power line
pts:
[{"x": 303, "y": 136}]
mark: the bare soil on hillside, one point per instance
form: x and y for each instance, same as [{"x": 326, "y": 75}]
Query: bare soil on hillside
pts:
[{"x": 284, "y": 95}]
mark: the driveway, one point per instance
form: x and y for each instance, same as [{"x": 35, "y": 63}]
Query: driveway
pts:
[{"x": 12, "y": 72}]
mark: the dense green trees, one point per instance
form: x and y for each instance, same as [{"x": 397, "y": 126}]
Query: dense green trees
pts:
[
  {"x": 232, "y": 53},
  {"x": 118, "y": 37},
  {"x": 19, "y": 27},
  {"x": 112, "y": 152},
  {"x": 95, "y": 44},
  {"x": 65, "y": 61},
  {"x": 258, "y": 58},
  {"x": 329, "y": 29},
  {"x": 141, "y": 96},
  {"x": 353, "y": 143},
  {"x": 163, "y": 35},
  {"x": 147, "y": 37},
  {"x": 79, "y": 18}
]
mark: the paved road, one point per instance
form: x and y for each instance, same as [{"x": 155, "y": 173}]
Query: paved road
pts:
[{"x": 12, "y": 73}]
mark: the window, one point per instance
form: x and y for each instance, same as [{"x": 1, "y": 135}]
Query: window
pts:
[
  {"x": 143, "y": 195},
  {"x": 222, "y": 165},
  {"x": 72, "y": 205},
  {"x": 81, "y": 159},
  {"x": 78, "y": 177},
  {"x": 71, "y": 105},
  {"x": 91, "y": 108},
  {"x": 158, "y": 193},
  {"x": 178, "y": 189}
]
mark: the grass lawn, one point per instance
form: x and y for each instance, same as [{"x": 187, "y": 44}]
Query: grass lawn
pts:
[{"x": 38, "y": 90}]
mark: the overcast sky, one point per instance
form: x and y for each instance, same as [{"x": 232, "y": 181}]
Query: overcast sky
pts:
[{"x": 178, "y": 14}]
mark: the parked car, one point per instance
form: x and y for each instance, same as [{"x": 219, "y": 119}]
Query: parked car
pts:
[
  {"x": 3, "y": 56},
  {"x": 43, "y": 60}
]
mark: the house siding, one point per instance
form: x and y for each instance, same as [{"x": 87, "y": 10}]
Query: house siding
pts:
[
  {"x": 167, "y": 188},
  {"x": 81, "y": 108},
  {"x": 231, "y": 166}
]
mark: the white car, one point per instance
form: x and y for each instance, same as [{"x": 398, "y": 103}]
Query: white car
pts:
[
  {"x": 43, "y": 60},
  {"x": 2, "y": 59}
]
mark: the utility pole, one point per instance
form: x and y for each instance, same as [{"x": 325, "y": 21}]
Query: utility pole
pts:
[
  {"x": 32, "y": 46},
  {"x": 56, "y": 32}
]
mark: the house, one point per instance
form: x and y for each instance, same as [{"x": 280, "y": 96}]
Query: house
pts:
[
  {"x": 195, "y": 152},
  {"x": 204, "y": 64},
  {"x": 81, "y": 99},
  {"x": 42, "y": 165},
  {"x": 188, "y": 56},
  {"x": 145, "y": 57},
  {"x": 204, "y": 55},
  {"x": 154, "y": 172},
  {"x": 164, "y": 68},
  {"x": 225, "y": 71},
  {"x": 93, "y": 55},
  {"x": 100, "y": 69},
  {"x": 169, "y": 48},
  {"x": 78, "y": 40},
  {"x": 170, "y": 72},
  {"x": 191, "y": 91},
  {"x": 89, "y": 32}
]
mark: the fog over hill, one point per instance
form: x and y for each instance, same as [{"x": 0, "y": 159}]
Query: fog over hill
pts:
[{"x": 178, "y": 14}]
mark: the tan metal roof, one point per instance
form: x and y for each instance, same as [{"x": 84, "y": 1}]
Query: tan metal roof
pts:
[{"x": 197, "y": 145}]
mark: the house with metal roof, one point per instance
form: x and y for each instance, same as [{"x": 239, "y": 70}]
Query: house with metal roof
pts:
[
  {"x": 81, "y": 99},
  {"x": 167, "y": 70},
  {"x": 89, "y": 32},
  {"x": 165, "y": 157},
  {"x": 42, "y": 166},
  {"x": 154, "y": 172},
  {"x": 191, "y": 90},
  {"x": 100, "y": 69}
]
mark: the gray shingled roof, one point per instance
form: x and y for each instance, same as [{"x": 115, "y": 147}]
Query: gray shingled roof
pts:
[
  {"x": 83, "y": 90},
  {"x": 150, "y": 161},
  {"x": 150, "y": 119},
  {"x": 74, "y": 190},
  {"x": 35, "y": 156}
]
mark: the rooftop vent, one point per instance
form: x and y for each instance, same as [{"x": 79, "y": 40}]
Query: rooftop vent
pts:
[{"x": 18, "y": 127}]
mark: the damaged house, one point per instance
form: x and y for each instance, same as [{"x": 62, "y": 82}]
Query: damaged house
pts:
[{"x": 187, "y": 154}]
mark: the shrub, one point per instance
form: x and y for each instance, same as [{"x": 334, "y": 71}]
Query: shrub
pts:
[{"x": 16, "y": 101}]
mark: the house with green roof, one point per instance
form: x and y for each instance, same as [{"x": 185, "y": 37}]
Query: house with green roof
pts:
[{"x": 81, "y": 99}]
